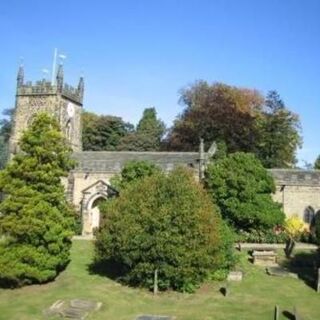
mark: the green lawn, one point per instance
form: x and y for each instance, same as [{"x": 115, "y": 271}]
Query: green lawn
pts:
[{"x": 254, "y": 298}]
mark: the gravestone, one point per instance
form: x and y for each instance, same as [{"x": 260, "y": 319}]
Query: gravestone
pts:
[
  {"x": 235, "y": 276},
  {"x": 276, "y": 312},
  {"x": 264, "y": 258},
  {"x": 76, "y": 309},
  {"x": 289, "y": 248},
  {"x": 280, "y": 272},
  {"x": 296, "y": 314}
]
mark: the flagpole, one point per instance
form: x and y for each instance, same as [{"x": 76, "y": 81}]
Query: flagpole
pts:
[{"x": 54, "y": 66}]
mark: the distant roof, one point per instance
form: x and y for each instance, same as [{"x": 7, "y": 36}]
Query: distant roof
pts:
[
  {"x": 113, "y": 161},
  {"x": 296, "y": 177}
]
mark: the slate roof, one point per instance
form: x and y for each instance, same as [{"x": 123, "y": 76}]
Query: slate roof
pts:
[{"x": 113, "y": 161}]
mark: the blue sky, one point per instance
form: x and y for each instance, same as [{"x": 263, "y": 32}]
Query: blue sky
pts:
[{"x": 136, "y": 54}]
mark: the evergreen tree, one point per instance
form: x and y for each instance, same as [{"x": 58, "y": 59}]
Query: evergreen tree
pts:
[
  {"x": 163, "y": 224},
  {"x": 148, "y": 134},
  {"x": 36, "y": 221},
  {"x": 278, "y": 134},
  {"x": 242, "y": 188},
  {"x": 103, "y": 133}
]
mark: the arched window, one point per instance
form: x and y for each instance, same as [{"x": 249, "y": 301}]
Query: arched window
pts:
[{"x": 308, "y": 215}]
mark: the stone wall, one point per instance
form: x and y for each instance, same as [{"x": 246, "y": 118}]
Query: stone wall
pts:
[{"x": 298, "y": 191}]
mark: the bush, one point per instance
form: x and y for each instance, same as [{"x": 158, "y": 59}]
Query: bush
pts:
[
  {"x": 242, "y": 188},
  {"x": 36, "y": 221},
  {"x": 294, "y": 227},
  {"x": 266, "y": 236},
  {"x": 166, "y": 223}
]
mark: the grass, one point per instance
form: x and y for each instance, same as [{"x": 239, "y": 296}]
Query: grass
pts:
[{"x": 253, "y": 298}]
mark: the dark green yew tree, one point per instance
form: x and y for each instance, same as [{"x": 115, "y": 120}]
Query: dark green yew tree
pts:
[
  {"x": 165, "y": 225},
  {"x": 36, "y": 221},
  {"x": 242, "y": 188}
]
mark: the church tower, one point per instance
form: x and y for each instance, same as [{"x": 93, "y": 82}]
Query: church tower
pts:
[{"x": 58, "y": 99}]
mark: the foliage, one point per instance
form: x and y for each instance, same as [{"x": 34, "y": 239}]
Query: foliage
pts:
[
  {"x": 132, "y": 171},
  {"x": 242, "y": 188},
  {"x": 294, "y": 227},
  {"x": 148, "y": 134},
  {"x": 103, "y": 133},
  {"x": 278, "y": 134},
  {"x": 166, "y": 223},
  {"x": 317, "y": 163},
  {"x": 36, "y": 221},
  {"x": 215, "y": 112},
  {"x": 262, "y": 236},
  {"x": 242, "y": 118}
]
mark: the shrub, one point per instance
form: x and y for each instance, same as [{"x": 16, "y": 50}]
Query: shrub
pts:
[
  {"x": 294, "y": 227},
  {"x": 166, "y": 223},
  {"x": 242, "y": 188},
  {"x": 265, "y": 236},
  {"x": 36, "y": 221}
]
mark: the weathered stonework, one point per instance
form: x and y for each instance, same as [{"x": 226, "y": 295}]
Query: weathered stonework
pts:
[
  {"x": 298, "y": 191},
  {"x": 61, "y": 101}
]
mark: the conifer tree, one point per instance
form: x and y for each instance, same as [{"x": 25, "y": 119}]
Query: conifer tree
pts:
[{"x": 35, "y": 219}]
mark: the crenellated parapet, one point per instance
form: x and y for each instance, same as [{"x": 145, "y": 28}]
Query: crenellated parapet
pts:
[{"x": 45, "y": 87}]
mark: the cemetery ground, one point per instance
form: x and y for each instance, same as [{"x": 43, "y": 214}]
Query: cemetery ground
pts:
[{"x": 253, "y": 298}]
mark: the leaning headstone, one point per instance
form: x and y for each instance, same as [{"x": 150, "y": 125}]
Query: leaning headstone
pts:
[
  {"x": 289, "y": 247},
  {"x": 276, "y": 312},
  {"x": 318, "y": 281},
  {"x": 235, "y": 276}
]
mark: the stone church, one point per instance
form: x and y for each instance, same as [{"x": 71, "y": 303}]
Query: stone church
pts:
[{"x": 298, "y": 191}]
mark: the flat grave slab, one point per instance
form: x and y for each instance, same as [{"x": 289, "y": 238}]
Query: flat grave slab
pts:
[
  {"x": 77, "y": 309},
  {"x": 280, "y": 272},
  {"x": 235, "y": 276},
  {"x": 154, "y": 317}
]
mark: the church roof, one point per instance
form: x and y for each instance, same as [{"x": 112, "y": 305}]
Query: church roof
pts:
[
  {"x": 113, "y": 161},
  {"x": 296, "y": 177}
]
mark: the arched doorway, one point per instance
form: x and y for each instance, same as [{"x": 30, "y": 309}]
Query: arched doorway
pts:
[
  {"x": 94, "y": 212},
  {"x": 92, "y": 197}
]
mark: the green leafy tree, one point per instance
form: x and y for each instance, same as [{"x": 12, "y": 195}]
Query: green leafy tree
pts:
[
  {"x": 241, "y": 118},
  {"x": 242, "y": 188},
  {"x": 317, "y": 163},
  {"x": 36, "y": 221},
  {"x": 216, "y": 112},
  {"x": 165, "y": 225},
  {"x": 103, "y": 133},
  {"x": 132, "y": 171},
  {"x": 278, "y": 134},
  {"x": 148, "y": 134}
]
